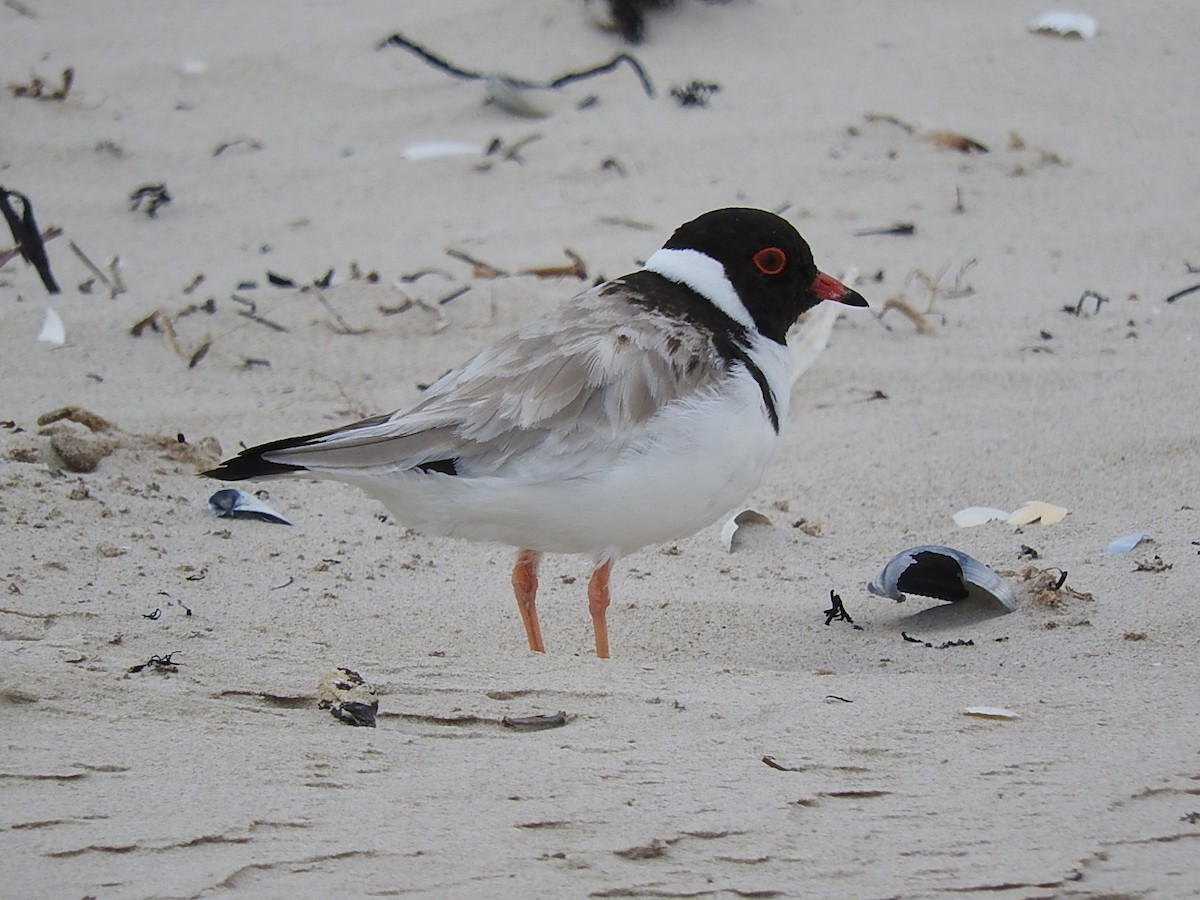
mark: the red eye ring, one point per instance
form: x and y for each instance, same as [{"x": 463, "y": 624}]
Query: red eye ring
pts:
[{"x": 770, "y": 260}]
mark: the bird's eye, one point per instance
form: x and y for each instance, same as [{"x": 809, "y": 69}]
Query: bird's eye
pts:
[{"x": 770, "y": 260}]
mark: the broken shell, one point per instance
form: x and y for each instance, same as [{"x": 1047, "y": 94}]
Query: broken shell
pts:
[
  {"x": 512, "y": 99},
  {"x": 1037, "y": 511},
  {"x": 942, "y": 573},
  {"x": 745, "y": 517},
  {"x": 810, "y": 336},
  {"x": 978, "y": 515},
  {"x": 53, "y": 331},
  {"x": 439, "y": 149},
  {"x": 1126, "y": 543},
  {"x": 230, "y": 503},
  {"x": 1065, "y": 23}
]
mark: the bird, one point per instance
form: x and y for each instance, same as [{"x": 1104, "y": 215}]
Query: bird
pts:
[{"x": 637, "y": 413}]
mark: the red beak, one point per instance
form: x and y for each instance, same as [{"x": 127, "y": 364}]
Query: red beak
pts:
[{"x": 825, "y": 287}]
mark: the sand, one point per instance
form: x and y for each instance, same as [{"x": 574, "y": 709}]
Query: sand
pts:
[{"x": 217, "y": 775}]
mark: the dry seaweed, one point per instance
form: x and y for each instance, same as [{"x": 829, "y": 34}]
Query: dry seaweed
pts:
[
  {"x": 694, "y": 93},
  {"x": 37, "y": 89},
  {"x": 149, "y": 198},
  {"x": 27, "y": 236}
]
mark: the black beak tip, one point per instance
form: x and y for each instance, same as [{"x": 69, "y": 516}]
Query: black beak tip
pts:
[{"x": 853, "y": 298}]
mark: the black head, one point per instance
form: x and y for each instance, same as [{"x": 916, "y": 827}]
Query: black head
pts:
[{"x": 768, "y": 263}]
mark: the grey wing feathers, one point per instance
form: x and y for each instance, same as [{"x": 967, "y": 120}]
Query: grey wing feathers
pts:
[{"x": 577, "y": 385}]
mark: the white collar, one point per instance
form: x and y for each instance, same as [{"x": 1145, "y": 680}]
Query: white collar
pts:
[{"x": 705, "y": 276}]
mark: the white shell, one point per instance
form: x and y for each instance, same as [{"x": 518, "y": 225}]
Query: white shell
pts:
[
  {"x": 230, "y": 503},
  {"x": 942, "y": 573},
  {"x": 991, "y": 712},
  {"x": 513, "y": 99},
  {"x": 745, "y": 517},
  {"x": 1066, "y": 23},
  {"x": 439, "y": 149},
  {"x": 53, "y": 331},
  {"x": 810, "y": 335},
  {"x": 978, "y": 515},
  {"x": 1126, "y": 542}
]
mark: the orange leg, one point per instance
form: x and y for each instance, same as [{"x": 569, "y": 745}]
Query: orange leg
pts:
[
  {"x": 525, "y": 583},
  {"x": 598, "y": 606}
]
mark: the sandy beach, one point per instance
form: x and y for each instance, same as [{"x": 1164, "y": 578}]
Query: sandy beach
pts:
[{"x": 1020, "y": 210}]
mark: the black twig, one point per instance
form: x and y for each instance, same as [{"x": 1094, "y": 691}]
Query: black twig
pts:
[
  {"x": 601, "y": 69},
  {"x": 1191, "y": 290},
  {"x": 399, "y": 40},
  {"x": 903, "y": 229},
  {"x": 453, "y": 295}
]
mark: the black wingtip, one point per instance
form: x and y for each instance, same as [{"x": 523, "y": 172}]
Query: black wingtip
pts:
[
  {"x": 251, "y": 463},
  {"x": 247, "y": 465}
]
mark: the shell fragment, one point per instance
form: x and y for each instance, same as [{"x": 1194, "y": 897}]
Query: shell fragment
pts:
[
  {"x": 230, "y": 503},
  {"x": 439, "y": 150},
  {"x": 1037, "y": 511},
  {"x": 942, "y": 573},
  {"x": 731, "y": 526},
  {"x": 810, "y": 336},
  {"x": 978, "y": 515},
  {"x": 1065, "y": 23},
  {"x": 1126, "y": 542},
  {"x": 53, "y": 331},
  {"x": 512, "y": 98}
]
